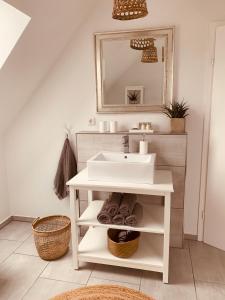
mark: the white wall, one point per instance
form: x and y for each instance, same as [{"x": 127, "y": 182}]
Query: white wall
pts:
[
  {"x": 151, "y": 79},
  {"x": 51, "y": 27},
  {"x": 34, "y": 140},
  {"x": 12, "y": 24},
  {"x": 4, "y": 201}
]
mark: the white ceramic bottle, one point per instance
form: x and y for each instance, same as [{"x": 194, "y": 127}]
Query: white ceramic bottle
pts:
[{"x": 143, "y": 147}]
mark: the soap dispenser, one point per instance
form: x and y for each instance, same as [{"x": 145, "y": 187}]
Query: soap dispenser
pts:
[{"x": 143, "y": 148}]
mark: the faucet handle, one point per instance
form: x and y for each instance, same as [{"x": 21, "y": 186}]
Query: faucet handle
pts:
[{"x": 125, "y": 139}]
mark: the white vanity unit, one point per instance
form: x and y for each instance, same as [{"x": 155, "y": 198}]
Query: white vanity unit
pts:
[
  {"x": 153, "y": 251},
  {"x": 171, "y": 155}
]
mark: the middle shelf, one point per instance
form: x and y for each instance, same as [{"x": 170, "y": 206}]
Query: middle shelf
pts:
[{"x": 152, "y": 220}]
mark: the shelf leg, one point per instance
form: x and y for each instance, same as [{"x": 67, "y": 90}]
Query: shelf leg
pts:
[
  {"x": 74, "y": 215},
  {"x": 166, "y": 247},
  {"x": 90, "y": 197}
]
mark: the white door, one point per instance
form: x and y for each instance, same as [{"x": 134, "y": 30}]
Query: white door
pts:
[{"x": 214, "y": 229}]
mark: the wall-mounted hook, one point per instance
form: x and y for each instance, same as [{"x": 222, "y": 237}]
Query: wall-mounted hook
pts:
[{"x": 67, "y": 130}]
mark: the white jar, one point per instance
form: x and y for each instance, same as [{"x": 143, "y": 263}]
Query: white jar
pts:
[
  {"x": 102, "y": 126},
  {"x": 148, "y": 126},
  {"x": 113, "y": 126},
  {"x": 143, "y": 127}
]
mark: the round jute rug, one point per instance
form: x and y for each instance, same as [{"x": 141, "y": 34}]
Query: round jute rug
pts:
[{"x": 102, "y": 292}]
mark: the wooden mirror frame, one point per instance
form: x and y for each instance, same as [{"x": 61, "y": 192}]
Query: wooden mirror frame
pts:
[{"x": 168, "y": 33}]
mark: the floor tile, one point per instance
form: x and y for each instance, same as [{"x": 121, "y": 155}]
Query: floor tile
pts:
[
  {"x": 17, "y": 274},
  {"x": 20, "y": 269},
  {"x": 117, "y": 274},
  {"x": 209, "y": 291},
  {"x": 181, "y": 284},
  {"x": 7, "y": 248},
  {"x": 28, "y": 247},
  {"x": 208, "y": 263},
  {"x": 62, "y": 269},
  {"x": 96, "y": 281},
  {"x": 44, "y": 289},
  {"x": 16, "y": 231}
]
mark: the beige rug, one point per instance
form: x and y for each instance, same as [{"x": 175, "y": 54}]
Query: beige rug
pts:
[{"x": 103, "y": 292}]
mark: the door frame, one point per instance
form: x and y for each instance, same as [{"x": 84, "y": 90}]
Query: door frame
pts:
[{"x": 206, "y": 128}]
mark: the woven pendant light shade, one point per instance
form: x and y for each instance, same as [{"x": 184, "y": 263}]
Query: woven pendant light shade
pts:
[
  {"x": 150, "y": 55},
  {"x": 141, "y": 44},
  {"x": 129, "y": 9}
]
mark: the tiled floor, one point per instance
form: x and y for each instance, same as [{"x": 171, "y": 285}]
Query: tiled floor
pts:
[{"x": 197, "y": 272}]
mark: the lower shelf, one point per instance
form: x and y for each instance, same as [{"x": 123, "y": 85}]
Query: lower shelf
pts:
[{"x": 149, "y": 256}]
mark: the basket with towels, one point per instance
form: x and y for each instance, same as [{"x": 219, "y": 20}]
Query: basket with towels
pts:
[{"x": 121, "y": 209}]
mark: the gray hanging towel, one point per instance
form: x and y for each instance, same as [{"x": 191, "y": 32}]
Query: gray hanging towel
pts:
[{"x": 67, "y": 168}]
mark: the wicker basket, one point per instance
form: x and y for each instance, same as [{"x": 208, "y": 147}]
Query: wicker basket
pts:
[
  {"x": 52, "y": 236},
  {"x": 122, "y": 250}
]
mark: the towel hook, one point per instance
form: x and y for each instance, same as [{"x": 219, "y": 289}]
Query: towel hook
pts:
[{"x": 68, "y": 130}]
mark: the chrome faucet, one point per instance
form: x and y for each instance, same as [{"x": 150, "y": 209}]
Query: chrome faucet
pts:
[{"x": 125, "y": 143}]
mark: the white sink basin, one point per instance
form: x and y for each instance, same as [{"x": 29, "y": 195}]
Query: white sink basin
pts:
[{"x": 122, "y": 167}]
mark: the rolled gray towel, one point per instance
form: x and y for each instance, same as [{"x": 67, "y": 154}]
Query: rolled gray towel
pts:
[
  {"x": 127, "y": 204},
  {"x": 113, "y": 204},
  {"x": 136, "y": 216},
  {"x": 124, "y": 236},
  {"x": 103, "y": 216},
  {"x": 118, "y": 219}
]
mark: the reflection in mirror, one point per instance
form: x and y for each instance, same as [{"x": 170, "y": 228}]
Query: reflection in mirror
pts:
[
  {"x": 134, "y": 70},
  {"x": 128, "y": 72}
]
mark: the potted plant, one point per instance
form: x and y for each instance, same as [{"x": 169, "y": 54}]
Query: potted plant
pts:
[{"x": 177, "y": 112}]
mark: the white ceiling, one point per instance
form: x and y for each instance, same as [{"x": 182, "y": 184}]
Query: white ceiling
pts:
[{"x": 52, "y": 26}]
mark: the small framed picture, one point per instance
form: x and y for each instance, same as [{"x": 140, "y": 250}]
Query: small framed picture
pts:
[{"x": 134, "y": 95}]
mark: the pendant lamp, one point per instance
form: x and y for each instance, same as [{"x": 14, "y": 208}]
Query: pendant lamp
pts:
[
  {"x": 129, "y": 9},
  {"x": 141, "y": 44},
  {"x": 150, "y": 55}
]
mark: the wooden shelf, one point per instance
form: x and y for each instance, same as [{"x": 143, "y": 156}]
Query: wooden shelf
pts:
[
  {"x": 130, "y": 133},
  {"x": 152, "y": 221},
  {"x": 149, "y": 256}
]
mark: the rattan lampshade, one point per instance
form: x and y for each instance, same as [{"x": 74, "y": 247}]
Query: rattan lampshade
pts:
[
  {"x": 129, "y": 9},
  {"x": 141, "y": 44},
  {"x": 150, "y": 55}
]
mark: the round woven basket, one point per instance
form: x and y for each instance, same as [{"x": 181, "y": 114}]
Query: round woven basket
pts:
[
  {"x": 52, "y": 236},
  {"x": 103, "y": 292},
  {"x": 124, "y": 249}
]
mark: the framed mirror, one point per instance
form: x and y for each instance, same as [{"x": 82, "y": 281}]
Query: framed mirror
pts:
[{"x": 134, "y": 70}]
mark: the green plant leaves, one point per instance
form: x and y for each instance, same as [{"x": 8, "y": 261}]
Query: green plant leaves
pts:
[{"x": 176, "y": 110}]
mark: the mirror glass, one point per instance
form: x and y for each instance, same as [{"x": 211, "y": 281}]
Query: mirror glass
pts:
[
  {"x": 127, "y": 80},
  {"x": 134, "y": 70}
]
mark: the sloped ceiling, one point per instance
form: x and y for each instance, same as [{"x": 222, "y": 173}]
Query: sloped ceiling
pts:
[{"x": 52, "y": 25}]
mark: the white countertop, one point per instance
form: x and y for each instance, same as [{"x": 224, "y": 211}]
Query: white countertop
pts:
[{"x": 163, "y": 184}]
